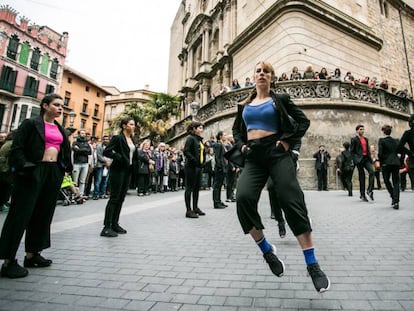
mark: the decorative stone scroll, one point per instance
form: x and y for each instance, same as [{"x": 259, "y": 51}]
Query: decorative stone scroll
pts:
[
  {"x": 364, "y": 94},
  {"x": 305, "y": 90},
  {"x": 396, "y": 103}
]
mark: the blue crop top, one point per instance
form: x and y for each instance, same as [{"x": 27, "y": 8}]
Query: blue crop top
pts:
[{"x": 261, "y": 117}]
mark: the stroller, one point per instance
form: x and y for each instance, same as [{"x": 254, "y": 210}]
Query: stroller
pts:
[{"x": 69, "y": 192}]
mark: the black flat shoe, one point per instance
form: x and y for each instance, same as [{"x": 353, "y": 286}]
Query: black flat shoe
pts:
[
  {"x": 118, "y": 229},
  {"x": 13, "y": 270},
  {"x": 109, "y": 233},
  {"x": 37, "y": 261}
]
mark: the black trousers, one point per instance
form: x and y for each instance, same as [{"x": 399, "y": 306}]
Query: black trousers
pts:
[
  {"x": 218, "y": 181},
  {"x": 275, "y": 207},
  {"x": 365, "y": 164},
  {"x": 33, "y": 204},
  {"x": 119, "y": 180},
  {"x": 322, "y": 174},
  {"x": 264, "y": 160},
  {"x": 230, "y": 179},
  {"x": 192, "y": 186},
  {"x": 347, "y": 177},
  {"x": 393, "y": 172}
]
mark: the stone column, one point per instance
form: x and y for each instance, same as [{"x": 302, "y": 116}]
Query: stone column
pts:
[
  {"x": 206, "y": 45},
  {"x": 190, "y": 58},
  {"x": 204, "y": 88}
]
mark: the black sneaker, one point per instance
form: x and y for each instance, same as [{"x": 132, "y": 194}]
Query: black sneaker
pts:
[
  {"x": 13, "y": 270},
  {"x": 118, "y": 229},
  {"x": 396, "y": 205},
  {"x": 371, "y": 195},
  {"x": 275, "y": 264},
  {"x": 199, "y": 212},
  {"x": 37, "y": 261},
  {"x": 363, "y": 198},
  {"x": 319, "y": 278},
  {"x": 108, "y": 232},
  {"x": 282, "y": 230},
  {"x": 191, "y": 214}
]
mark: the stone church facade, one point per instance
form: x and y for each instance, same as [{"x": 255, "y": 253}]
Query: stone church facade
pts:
[{"x": 214, "y": 42}]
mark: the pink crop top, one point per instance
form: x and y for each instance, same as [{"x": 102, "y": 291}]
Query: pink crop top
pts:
[{"x": 53, "y": 136}]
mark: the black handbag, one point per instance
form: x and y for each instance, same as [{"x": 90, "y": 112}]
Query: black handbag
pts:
[{"x": 235, "y": 156}]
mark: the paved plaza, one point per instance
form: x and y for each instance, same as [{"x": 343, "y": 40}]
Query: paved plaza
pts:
[{"x": 169, "y": 262}]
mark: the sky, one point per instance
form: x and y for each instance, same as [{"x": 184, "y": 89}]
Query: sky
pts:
[{"x": 122, "y": 43}]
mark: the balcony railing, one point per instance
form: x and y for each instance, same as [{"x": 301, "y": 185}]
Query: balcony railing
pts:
[{"x": 305, "y": 93}]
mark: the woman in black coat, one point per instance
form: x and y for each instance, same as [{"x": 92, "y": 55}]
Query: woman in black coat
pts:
[
  {"x": 195, "y": 155},
  {"x": 122, "y": 150},
  {"x": 39, "y": 157},
  {"x": 145, "y": 160}
]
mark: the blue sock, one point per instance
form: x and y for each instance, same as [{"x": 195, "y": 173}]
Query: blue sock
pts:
[
  {"x": 310, "y": 256},
  {"x": 264, "y": 245}
]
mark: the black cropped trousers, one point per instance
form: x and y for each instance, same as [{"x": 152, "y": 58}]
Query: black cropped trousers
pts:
[
  {"x": 33, "y": 204},
  {"x": 264, "y": 160}
]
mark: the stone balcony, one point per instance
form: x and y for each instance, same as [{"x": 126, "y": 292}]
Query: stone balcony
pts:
[
  {"x": 334, "y": 108},
  {"x": 307, "y": 94}
]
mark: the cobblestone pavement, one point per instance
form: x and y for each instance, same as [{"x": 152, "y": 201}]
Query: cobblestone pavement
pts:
[{"x": 169, "y": 262}]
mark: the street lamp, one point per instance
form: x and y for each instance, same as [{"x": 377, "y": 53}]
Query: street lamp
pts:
[
  {"x": 194, "y": 109},
  {"x": 72, "y": 116}
]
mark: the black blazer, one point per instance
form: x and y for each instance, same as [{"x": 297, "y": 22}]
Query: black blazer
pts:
[
  {"x": 192, "y": 151},
  {"x": 118, "y": 150},
  {"x": 356, "y": 149},
  {"x": 291, "y": 136},
  {"x": 387, "y": 151},
  {"x": 318, "y": 156},
  {"x": 29, "y": 146},
  {"x": 408, "y": 138}
]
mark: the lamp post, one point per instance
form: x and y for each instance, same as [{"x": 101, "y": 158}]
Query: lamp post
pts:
[
  {"x": 72, "y": 116},
  {"x": 194, "y": 109}
]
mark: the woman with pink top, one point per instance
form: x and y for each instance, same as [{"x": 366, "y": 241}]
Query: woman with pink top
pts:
[{"x": 39, "y": 157}]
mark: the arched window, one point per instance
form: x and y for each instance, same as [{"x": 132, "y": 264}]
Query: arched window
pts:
[
  {"x": 24, "y": 53},
  {"x": 13, "y": 47},
  {"x": 54, "y": 68},
  {"x": 34, "y": 62},
  {"x": 44, "y": 67}
]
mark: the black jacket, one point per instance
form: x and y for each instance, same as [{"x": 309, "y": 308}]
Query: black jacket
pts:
[
  {"x": 81, "y": 150},
  {"x": 219, "y": 151},
  {"x": 318, "y": 163},
  {"x": 29, "y": 146},
  {"x": 387, "y": 151},
  {"x": 408, "y": 138},
  {"x": 356, "y": 149},
  {"x": 192, "y": 151},
  {"x": 292, "y": 135},
  {"x": 118, "y": 150}
]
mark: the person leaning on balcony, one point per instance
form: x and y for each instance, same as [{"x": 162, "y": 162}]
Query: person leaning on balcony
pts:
[
  {"x": 39, "y": 158},
  {"x": 264, "y": 133},
  {"x": 308, "y": 74},
  {"x": 295, "y": 74}
]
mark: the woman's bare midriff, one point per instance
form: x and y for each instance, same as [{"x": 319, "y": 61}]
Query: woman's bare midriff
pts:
[
  {"x": 257, "y": 134},
  {"x": 50, "y": 155}
]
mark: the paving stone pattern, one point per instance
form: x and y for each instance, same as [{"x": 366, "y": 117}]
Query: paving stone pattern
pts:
[{"x": 169, "y": 262}]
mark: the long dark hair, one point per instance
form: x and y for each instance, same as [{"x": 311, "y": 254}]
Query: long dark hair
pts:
[
  {"x": 125, "y": 121},
  {"x": 47, "y": 100}
]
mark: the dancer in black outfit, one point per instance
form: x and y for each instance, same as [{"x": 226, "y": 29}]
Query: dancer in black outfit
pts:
[
  {"x": 122, "y": 150},
  {"x": 408, "y": 139},
  {"x": 347, "y": 167},
  {"x": 195, "y": 155},
  {"x": 362, "y": 159},
  {"x": 264, "y": 132},
  {"x": 39, "y": 157},
  {"x": 390, "y": 164}
]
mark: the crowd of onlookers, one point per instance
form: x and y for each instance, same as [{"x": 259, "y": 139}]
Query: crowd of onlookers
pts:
[{"x": 310, "y": 74}]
